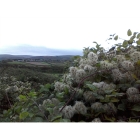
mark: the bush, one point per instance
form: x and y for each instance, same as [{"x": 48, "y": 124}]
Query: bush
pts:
[{"x": 101, "y": 86}]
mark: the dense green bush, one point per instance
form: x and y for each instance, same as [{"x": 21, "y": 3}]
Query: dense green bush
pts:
[{"x": 101, "y": 86}]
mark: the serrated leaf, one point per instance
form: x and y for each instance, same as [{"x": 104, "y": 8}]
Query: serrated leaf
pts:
[
  {"x": 125, "y": 43},
  {"x": 138, "y": 35},
  {"x": 116, "y": 37},
  {"x": 129, "y": 33},
  {"x": 136, "y": 108},
  {"x": 23, "y": 115}
]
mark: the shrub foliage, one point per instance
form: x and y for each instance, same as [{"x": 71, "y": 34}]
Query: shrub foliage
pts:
[{"x": 101, "y": 86}]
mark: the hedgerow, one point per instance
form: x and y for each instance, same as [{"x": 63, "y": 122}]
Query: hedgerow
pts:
[{"x": 101, "y": 86}]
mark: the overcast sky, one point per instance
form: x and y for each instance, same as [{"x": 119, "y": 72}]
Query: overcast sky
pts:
[{"x": 65, "y": 24}]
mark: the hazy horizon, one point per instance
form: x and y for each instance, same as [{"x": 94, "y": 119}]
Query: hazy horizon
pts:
[
  {"x": 65, "y": 26},
  {"x": 37, "y": 51}
]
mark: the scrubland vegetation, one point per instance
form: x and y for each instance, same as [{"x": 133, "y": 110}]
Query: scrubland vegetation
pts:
[{"x": 100, "y": 86}]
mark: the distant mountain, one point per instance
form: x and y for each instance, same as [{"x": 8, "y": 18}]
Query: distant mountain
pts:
[
  {"x": 37, "y": 51},
  {"x": 7, "y": 56},
  {"x": 14, "y": 57},
  {"x": 62, "y": 57}
]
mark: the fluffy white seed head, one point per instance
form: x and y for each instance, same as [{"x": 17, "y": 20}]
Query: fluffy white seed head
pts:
[
  {"x": 117, "y": 75},
  {"x": 106, "y": 65},
  {"x": 60, "y": 86},
  {"x": 97, "y": 106},
  {"x": 89, "y": 97},
  {"x": 72, "y": 71},
  {"x": 96, "y": 120},
  {"x": 120, "y": 58},
  {"x": 131, "y": 91},
  {"x": 92, "y": 56},
  {"x": 80, "y": 73},
  {"x": 80, "y": 108},
  {"x": 55, "y": 101},
  {"x": 134, "y": 98},
  {"x": 127, "y": 65},
  {"x": 68, "y": 112},
  {"x": 47, "y": 101},
  {"x": 90, "y": 69},
  {"x": 135, "y": 56},
  {"x": 110, "y": 108}
]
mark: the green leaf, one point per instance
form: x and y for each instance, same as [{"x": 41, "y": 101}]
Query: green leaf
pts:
[
  {"x": 138, "y": 82},
  {"x": 50, "y": 110},
  {"x": 111, "y": 119},
  {"x": 114, "y": 100},
  {"x": 129, "y": 33},
  {"x": 138, "y": 41},
  {"x": 118, "y": 49},
  {"x": 48, "y": 86},
  {"x": 121, "y": 107},
  {"x": 125, "y": 43},
  {"x": 106, "y": 99},
  {"x": 138, "y": 62},
  {"x": 56, "y": 118},
  {"x": 116, "y": 37},
  {"x": 32, "y": 94},
  {"x": 97, "y": 65},
  {"x": 131, "y": 40},
  {"x": 136, "y": 108},
  {"x": 22, "y": 97},
  {"x": 66, "y": 90},
  {"x": 134, "y": 34},
  {"x": 64, "y": 120},
  {"x": 37, "y": 119},
  {"x": 23, "y": 115},
  {"x": 18, "y": 109},
  {"x": 133, "y": 120},
  {"x": 60, "y": 95},
  {"x": 138, "y": 35},
  {"x": 92, "y": 87},
  {"x": 31, "y": 115},
  {"x": 109, "y": 91}
]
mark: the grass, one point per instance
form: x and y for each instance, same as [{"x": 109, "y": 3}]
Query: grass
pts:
[{"x": 16, "y": 62}]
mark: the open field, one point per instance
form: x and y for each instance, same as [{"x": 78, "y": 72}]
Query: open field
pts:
[
  {"x": 45, "y": 71},
  {"x": 38, "y": 63}
]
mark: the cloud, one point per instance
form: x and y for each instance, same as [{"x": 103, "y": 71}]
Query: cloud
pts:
[{"x": 26, "y": 49}]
